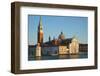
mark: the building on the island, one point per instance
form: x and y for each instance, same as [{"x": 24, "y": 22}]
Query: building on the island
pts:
[
  {"x": 74, "y": 46},
  {"x": 61, "y": 46},
  {"x": 40, "y": 38},
  {"x": 63, "y": 50},
  {"x": 57, "y": 46}
]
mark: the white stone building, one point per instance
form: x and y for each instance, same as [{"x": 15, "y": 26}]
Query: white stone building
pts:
[
  {"x": 74, "y": 46},
  {"x": 63, "y": 50},
  {"x": 38, "y": 50}
]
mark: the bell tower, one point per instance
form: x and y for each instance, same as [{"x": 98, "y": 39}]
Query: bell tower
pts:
[{"x": 40, "y": 32}]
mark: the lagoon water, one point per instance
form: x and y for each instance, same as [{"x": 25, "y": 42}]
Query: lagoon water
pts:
[{"x": 31, "y": 56}]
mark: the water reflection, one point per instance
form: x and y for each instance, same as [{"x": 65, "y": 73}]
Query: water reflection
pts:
[
  {"x": 74, "y": 56},
  {"x": 38, "y": 58},
  {"x": 63, "y": 56},
  {"x": 71, "y": 56},
  {"x": 31, "y": 56}
]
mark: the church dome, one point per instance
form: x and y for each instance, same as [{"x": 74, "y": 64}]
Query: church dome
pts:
[{"x": 61, "y": 36}]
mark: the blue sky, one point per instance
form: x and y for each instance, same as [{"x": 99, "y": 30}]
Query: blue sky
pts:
[{"x": 53, "y": 25}]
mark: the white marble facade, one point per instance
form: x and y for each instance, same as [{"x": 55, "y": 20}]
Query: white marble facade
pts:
[
  {"x": 74, "y": 46},
  {"x": 38, "y": 51}
]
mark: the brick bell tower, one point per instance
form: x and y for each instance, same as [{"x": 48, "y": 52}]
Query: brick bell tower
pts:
[{"x": 40, "y": 32}]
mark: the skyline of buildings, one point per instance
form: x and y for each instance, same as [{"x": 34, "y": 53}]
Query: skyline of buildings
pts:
[{"x": 47, "y": 33}]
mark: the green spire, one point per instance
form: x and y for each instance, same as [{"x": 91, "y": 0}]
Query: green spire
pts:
[{"x": 40, "y": 23}]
